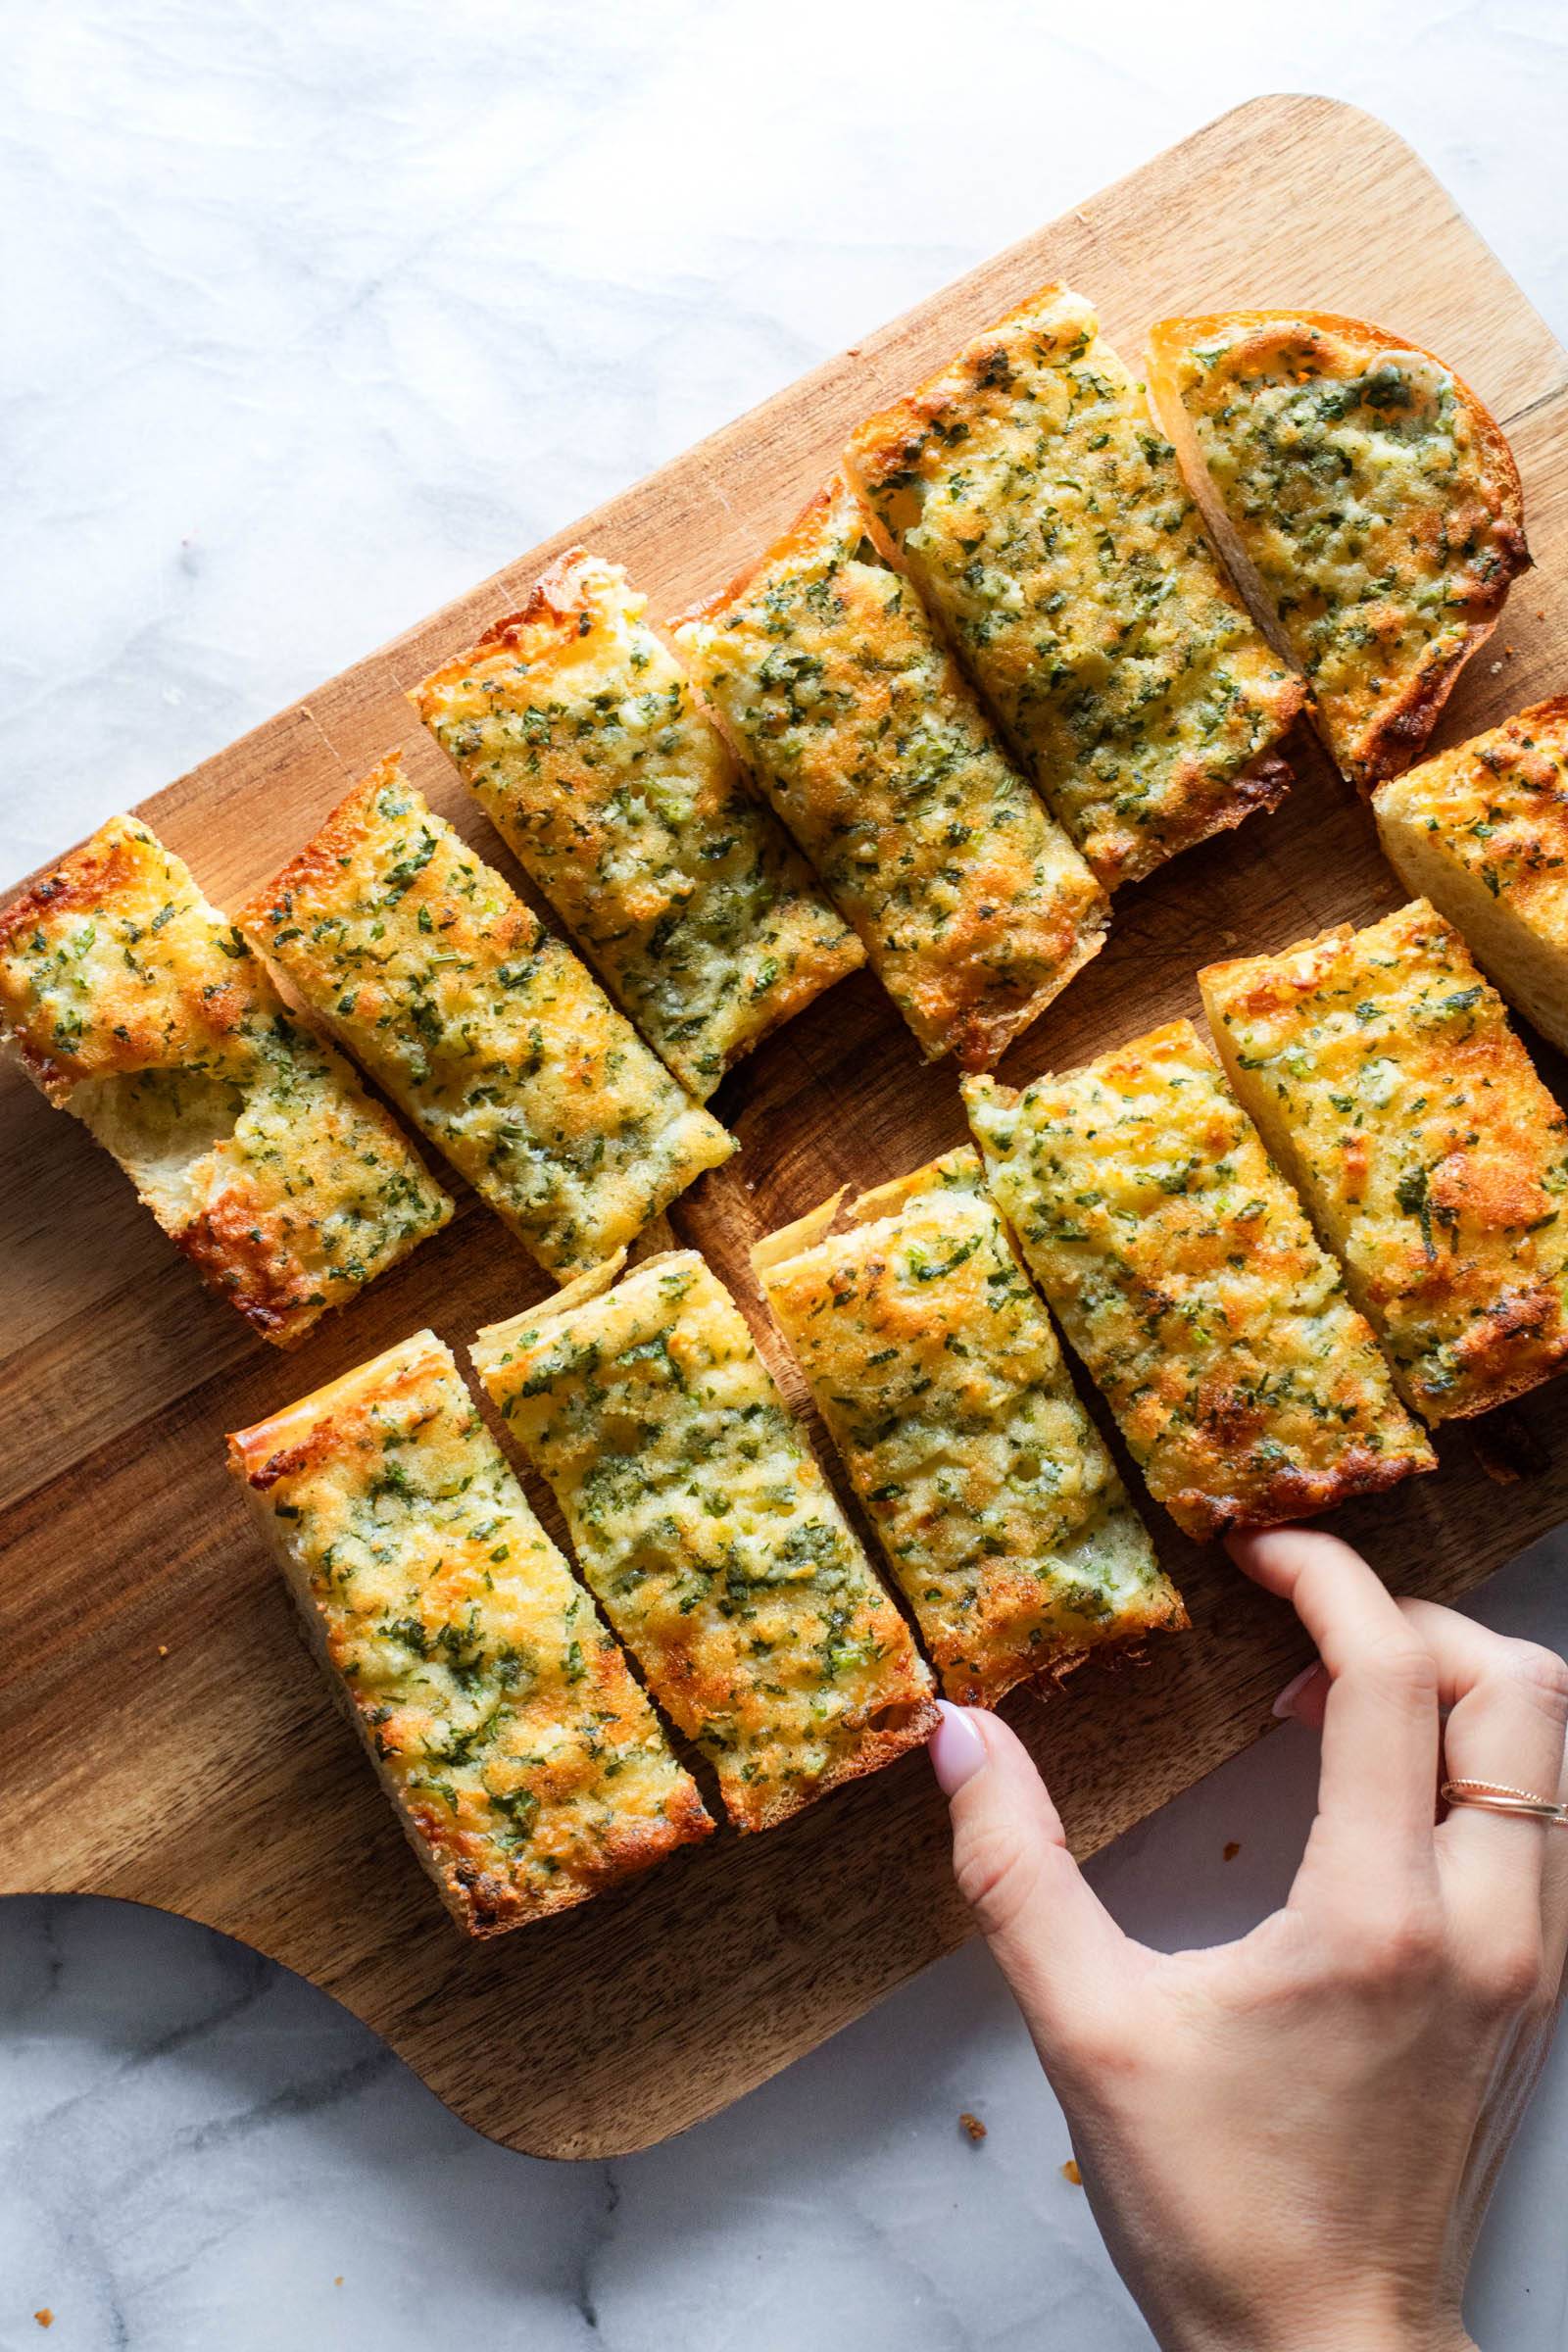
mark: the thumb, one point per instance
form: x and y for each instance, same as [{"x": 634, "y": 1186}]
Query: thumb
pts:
[{"x": 1050, "y": 1935}]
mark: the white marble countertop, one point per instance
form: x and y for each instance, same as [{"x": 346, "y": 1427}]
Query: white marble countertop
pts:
[{"x": 315, "y": 317}]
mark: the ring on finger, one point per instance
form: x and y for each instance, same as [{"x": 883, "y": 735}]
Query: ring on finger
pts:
[{"x": 1498, "y": 1797}]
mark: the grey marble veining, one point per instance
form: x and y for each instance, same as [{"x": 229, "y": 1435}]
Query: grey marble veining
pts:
[{"x": 313, "y": 317}]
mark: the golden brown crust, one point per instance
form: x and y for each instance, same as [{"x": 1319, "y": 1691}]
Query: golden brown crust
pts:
[{"x": 1399, "y": 720}]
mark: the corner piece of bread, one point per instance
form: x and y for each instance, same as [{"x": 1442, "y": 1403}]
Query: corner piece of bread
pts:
[
  {"x": 527, "y": 1767},
  {"x": 1482, "y": 833},
  {"x": 1367, "y": 501}
]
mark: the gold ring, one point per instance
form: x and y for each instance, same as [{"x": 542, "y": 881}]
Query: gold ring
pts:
[{"x": 1496, "y": 1797}]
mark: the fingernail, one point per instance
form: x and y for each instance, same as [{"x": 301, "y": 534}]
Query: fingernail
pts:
[
  {"x": 956, "y": 1749},
  {"x": 1285, "y": 1704}
]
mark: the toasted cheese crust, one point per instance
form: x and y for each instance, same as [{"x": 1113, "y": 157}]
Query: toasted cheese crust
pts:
[
  {"x": 974, "y": 908},
  {"x": 579, "y": 735},
  {"x": 525, "y": 1765},
  {"x": 135, "y": 1006},
  {"x": 497, "y": 1042},
  {"x": 1183, "y": 1272},
  {"x": 1388, "y": 1083},
  {"x": 1482, "y": 833},
  {"x": 940, "y": 1381},
  {"x": 1043, "y": 518},
  {"x": 707, "y": 1531},
  {"x": 1372, "y": 502}
]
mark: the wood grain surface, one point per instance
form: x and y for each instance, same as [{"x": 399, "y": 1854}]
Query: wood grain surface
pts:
[{"x": 167, "y": 1738}]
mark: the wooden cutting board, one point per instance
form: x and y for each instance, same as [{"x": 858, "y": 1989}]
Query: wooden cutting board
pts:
[{"x": 166, "y": 1737}]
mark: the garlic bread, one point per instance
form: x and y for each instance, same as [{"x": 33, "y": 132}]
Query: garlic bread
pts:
[
  {"x": 579, "y": 735},
  {"x": 1183, "y": 1272},
  {"x": 490, "y": 1033},
  {"x": 935, "y": 1368},
  {"x": 1043, "y": 518},
  {"x": 1369, "y": 504},
  {"x": 525, "y": 1765},
  {"x": 1381, "y": 1070},
  {"x": 974, "y": 908},
  {"x": 710, "y": 1537},
  {"x": 1482, "y": 833},
  {"x": 138, "y": 1007}
]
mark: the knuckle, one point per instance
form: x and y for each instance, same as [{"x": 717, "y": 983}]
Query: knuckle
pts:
[
  {"x": 1400, "y": 1950},
  {"x": 1403, "y": 1672},
  {"x": 1540, "y": 1672},
  {"x": 1507, "y": 1975},
  {"x": 995, "y": 1872}
]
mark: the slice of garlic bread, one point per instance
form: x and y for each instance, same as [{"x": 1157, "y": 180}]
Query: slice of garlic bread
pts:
[
  {"x": 935, "y": 1368},
  {"x": 1370, "y": 505},
  {"x": 1043, "y": 518},
  {"x": 138, "y": 1007},
  {"x": 974, "y": 908},
  {"x": 710, "y": 1537},
  {"x": 1387, "y": 1084},
  {"x": 525, "y": 1765},
  {"x": 579, "y": 735},
  {"x": 1482, "y": 833},
  {"x": 492, "y": 1035},
  {"x": 1185, "y": 1273}
]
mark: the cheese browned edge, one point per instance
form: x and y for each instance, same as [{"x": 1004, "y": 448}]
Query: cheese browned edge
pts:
[
  {"x": 1045, "y": 520},
  {"x": 939, "y": 1379},
  {"x": 842, "y": 700},
  {"x": 527, "y": 1767},
  {"x": 1387, "y": 1084},
  {"x": 581, "y": 739},
  {"x": 1183, "y": 1272},
  {"x": 1377, "y": 733},
  {"x": 491, "y": 1034},
  {"x": 1481, "y": 832},
  {"x": 707, "y": 1530},
  {"x": 135, "y": 1005}
]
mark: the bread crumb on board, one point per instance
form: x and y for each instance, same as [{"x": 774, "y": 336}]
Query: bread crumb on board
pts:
[
  {"x": 1230, "y": 1849},
  {"x": 44, "y": 2318},
  {"x": 1070, "y": 2172},
  {"x": 972, "y": 2125}
]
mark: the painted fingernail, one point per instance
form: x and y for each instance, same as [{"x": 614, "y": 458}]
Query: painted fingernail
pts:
[
  {"x": 1285, "y": 1704},
  {"x": 955, "y": 1748}
]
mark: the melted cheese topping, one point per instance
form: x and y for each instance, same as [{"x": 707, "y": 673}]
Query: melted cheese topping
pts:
[
  {"x": 492, "y": 1035},
  {"x": 1185, "y": 1274},
  {"x": 528, "y": 1766},
  {"x": 975, "y": 909},
  {"x": 1043, "y": 518},
  {"x": 580, "y": 737},
  {"x": 1384, "y": 1074},
  {"x": 710, "y": 1537},
  {"x": 940, "y": 1381},
  {"x": 1482, "y": 832},
  {"x": 138, "y": 1007},
  {"x": 1374, "y": 500}
]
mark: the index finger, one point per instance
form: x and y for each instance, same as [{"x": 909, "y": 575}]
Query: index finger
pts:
[{"x": 1377, "y": 1794}]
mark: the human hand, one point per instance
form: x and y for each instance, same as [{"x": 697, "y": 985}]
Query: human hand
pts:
[{"x": 1289, "y": 2141}]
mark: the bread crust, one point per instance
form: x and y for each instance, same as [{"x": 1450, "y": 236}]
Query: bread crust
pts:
[
  {"x": 420, "y": 1635},
  {"x": 705, "y": 1526},
  {"x": 1402, "y": 722}
]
